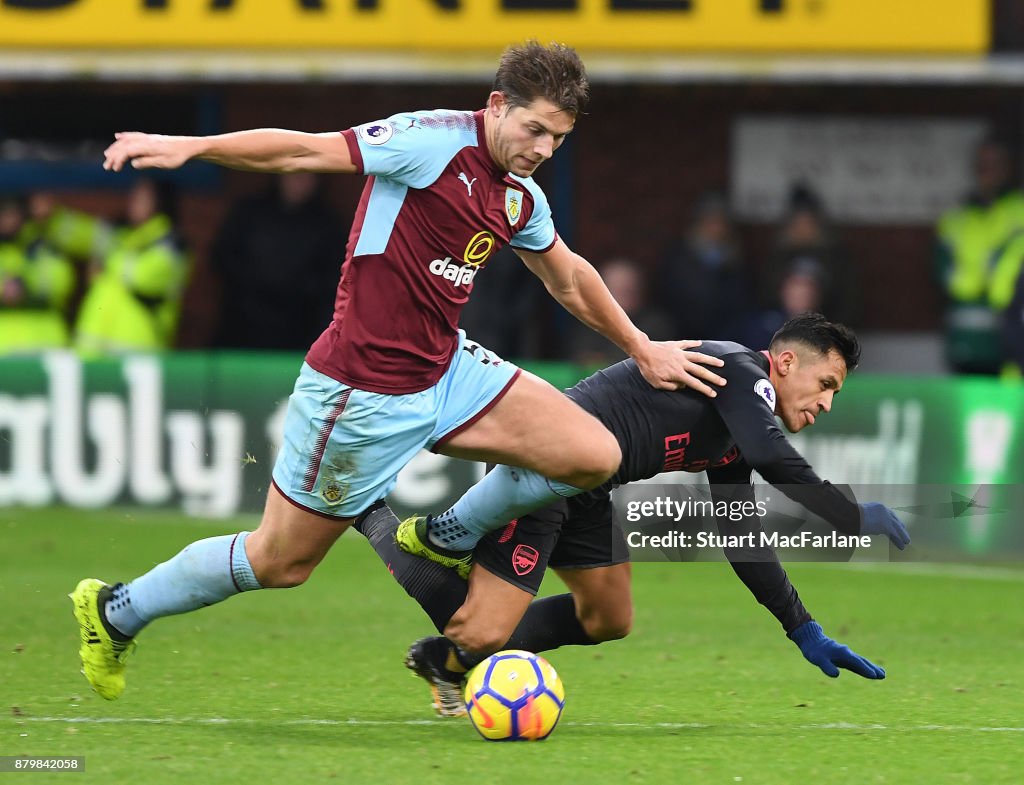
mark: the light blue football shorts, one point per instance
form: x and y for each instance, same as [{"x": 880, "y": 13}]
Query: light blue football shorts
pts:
[{"x": 343, "y": 447}]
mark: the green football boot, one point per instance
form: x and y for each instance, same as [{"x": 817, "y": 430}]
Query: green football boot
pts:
[
  {"x": 103, "y": 656},
  {"x": 411, "y": 537}
]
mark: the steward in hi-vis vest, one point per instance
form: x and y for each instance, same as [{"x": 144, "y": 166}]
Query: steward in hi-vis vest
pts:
[
  {"x": 973, "y": 264},
  {"x": 35, "y": 283},
  {"x": 134, "y": 301}
]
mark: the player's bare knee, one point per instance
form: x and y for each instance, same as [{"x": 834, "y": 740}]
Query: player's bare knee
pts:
[
  {"x": 607, "y": 632},
  {"x": 608, "y": 626},
  {"x": 478, "y": 639},
  {"x": 596, "y": 463},
  {"x": 281, "y": 573},
  {"x": 293, "y": 575},
  {"x": 615, "y": 629}
]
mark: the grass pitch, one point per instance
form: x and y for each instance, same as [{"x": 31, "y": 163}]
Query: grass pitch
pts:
[{"x": 306, "y": 685}]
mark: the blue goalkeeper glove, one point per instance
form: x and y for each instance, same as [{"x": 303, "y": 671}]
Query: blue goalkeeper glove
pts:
[
  {"x": 876, "y": 518},
  {"x": 830, "y": 655}
]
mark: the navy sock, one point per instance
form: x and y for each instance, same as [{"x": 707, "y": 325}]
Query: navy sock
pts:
[
  {"x": 438, "y": 590},
  {"x": 547, "y": 624}
]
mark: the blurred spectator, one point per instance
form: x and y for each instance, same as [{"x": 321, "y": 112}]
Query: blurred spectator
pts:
[
  {"x": 35, "y": 283},
  {"x": 977, "y": 263},
  {"x": 800, "y": 291},
  {"x": 74, "y": 234},
  {"x": 626, "y": 282},
  {"x": 701, "y": 279},
  {"x": 806, "y": 240},
  {"x": 134, "y": 297},
  {"x": 278, "y": 256}
]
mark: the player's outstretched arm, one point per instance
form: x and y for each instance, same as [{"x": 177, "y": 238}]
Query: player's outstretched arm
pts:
[
  {"x": 757, "y": 565},
  {"x": 754, "y": 561},
  {"x": 573, "y": 281},
  {"x": 830, "y": 655},
  {"x": 262, "y": 150}
]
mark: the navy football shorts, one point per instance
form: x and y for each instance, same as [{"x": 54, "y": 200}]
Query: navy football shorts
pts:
[{"x": 575, "y": 534}]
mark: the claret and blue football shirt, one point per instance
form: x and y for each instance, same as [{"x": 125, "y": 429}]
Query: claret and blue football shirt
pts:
[{"x": 434, "y": 210}]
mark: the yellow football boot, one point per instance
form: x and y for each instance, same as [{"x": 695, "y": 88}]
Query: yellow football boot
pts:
[
  {"x": 103, "y": 657},
  {"x": 411, "y": 537}
]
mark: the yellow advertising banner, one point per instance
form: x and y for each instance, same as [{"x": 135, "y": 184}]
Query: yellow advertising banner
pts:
[{"x": 640, "y": 26}]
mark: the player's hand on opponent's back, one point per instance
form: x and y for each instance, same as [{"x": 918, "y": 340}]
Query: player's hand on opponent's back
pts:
[
  {"x": 669, "y": 365},
  {"x": 876, "y": 518},
  {"x": 830, "y": 655},
  {"x": 146, "y": 151}
]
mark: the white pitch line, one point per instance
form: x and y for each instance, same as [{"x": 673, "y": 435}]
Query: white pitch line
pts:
[
  {"x": 923, "y": 569},
  {"x": 827, "y": 726}
]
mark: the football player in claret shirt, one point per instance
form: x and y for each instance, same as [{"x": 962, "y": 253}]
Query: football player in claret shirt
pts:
[
  {"x": 796, "y": 380},
  {"x": 392, "y": 373}
]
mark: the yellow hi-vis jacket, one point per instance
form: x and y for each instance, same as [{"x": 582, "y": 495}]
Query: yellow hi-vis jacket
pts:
[
  {"x": 969, "y": 237},
  {"x": 978, "y": 274},
  {"x": 35, "y": 283},
  {"x": 72, "y": 233},
  {"x": 134, "y": 303}
]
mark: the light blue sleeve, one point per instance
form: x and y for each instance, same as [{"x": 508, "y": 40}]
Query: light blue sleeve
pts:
[
  {"x": 539, "y": 232},
  {"x": 413, "y": 148}
]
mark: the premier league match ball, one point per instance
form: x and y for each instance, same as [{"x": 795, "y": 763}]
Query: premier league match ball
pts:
[{"x": 514, "y": 696}]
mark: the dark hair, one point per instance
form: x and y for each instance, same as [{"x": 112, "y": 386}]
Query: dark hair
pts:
[
  {"x": 554, "y": 72},
  {"x": 816, "y": 332}
]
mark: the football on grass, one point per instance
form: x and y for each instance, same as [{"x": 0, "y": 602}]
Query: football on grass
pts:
[{"x": 514, "y": 696}]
